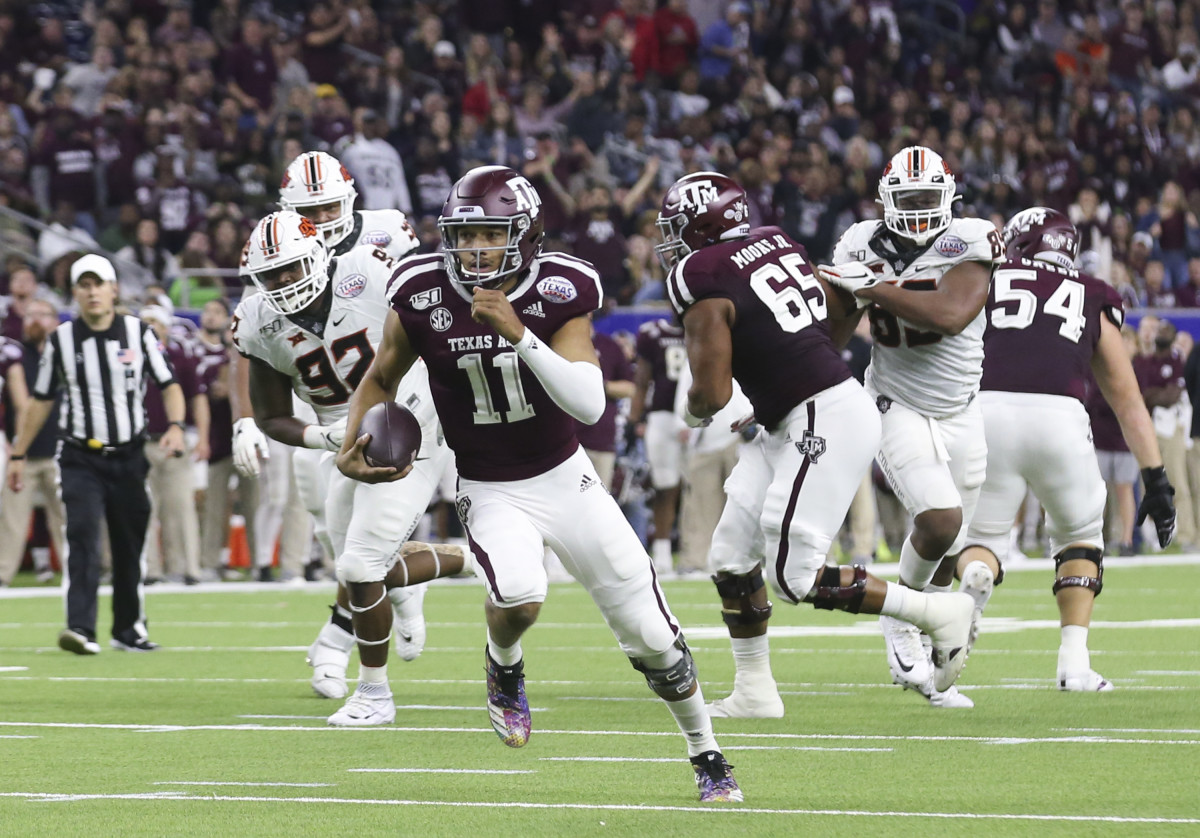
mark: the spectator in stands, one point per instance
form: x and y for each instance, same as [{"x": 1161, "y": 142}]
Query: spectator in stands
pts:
[
  {"x": 213, "y": 374},
  {"x": 87, "y": 82},
  {"x": 159, "y": 264},
  {"x": 65, "y": 234},
  {"x": 23, "y": 289},
  {"x": 324, "y": 32},
  {"x": 375, "y": 165}
]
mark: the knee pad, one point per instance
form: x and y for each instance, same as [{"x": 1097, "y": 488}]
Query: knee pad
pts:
[
  {"x": 1092, "y": 554},
  {"x": 739, "y": 588},
  {"x": 830, "y": 594},
  {"x": 670, "y": 682},
  {"x": 352, "y": 568}
]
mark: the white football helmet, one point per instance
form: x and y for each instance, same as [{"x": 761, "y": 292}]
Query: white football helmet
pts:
[
  {"x": 917, "y": 191},
  {"x": 314, "y": 179},
  {"x": 280, "y": 240}
]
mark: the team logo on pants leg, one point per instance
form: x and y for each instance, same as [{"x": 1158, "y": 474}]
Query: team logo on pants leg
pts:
[
  {"x": 811, "y": 445},
  {"x": 463, "y": 506}
]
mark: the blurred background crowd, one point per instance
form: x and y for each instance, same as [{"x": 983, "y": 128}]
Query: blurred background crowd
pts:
[{"x": 157, "y": 131}]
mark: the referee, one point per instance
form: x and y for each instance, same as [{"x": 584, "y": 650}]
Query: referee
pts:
[{"x": 102, "y": 360}]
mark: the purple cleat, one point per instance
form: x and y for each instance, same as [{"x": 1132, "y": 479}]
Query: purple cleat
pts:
[
  {"x": 507, "y": 705},
  {"x": 714, "y": 778}
]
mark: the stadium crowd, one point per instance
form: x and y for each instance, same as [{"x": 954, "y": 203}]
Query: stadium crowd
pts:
[{"x": 159, "y": 130}]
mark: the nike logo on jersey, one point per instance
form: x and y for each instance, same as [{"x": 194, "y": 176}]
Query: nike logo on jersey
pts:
[
  {"x": 338, "y": 322},
  {"x": 535, "y": 310}
]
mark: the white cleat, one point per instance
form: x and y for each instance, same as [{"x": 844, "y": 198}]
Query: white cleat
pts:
[
  {"x": 329, "y": 656},
  {"x": 951, "y": 630},
  {"x": 907, "y": 658},
  {"x": 749, "y": 700},
  {"x": 370, "y": 705},
  {"x": 977, "y": 583},
  {"x": 1086, "y": 682},
  {"x": 408, "y": 625},
  {"x": 951, "y": 698}
]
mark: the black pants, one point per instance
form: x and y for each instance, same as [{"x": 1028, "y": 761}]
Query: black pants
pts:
[{"x": 111, "y": 487}]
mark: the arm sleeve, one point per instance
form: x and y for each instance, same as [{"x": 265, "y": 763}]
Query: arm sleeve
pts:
[{"x": 576, "y": 386}]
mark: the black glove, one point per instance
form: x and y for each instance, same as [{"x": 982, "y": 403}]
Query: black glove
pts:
[{"x": 1158, "y": 504}]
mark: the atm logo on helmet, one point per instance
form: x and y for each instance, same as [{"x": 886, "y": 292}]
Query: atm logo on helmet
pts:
[
  {"x": 528, "y": 199},
  {"x": 697, "y": 195}
]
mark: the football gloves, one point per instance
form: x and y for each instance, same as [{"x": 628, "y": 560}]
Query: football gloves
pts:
[
  {"x": 249, "y": 445},
  {"x": 1158, "y": 503},
  {"x": 852, "y": 277},
  {"x": 333, "y": 435}
]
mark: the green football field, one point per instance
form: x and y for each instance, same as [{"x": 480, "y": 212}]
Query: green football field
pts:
[{"x": 219, "y": 733}]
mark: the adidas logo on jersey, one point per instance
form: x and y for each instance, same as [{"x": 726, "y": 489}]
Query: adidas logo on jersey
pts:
[
  {"x": 587, "y": 482},
  {"x": 535, "y": 310}
]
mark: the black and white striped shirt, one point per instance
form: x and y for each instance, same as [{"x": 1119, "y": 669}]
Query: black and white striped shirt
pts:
[{"x": 104, "y": 375}]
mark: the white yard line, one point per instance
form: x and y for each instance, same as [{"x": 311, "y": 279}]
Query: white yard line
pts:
[
  {"x": 706, "y": 811},
  {"x": 440, "y": 771},
  {"x": 230, "y": 783}
]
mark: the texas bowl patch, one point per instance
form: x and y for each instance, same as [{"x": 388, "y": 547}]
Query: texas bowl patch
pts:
[
  {"x": 350, "y": 286},
  {"x": 376, "y": 237},
  {"x": 556, "y": 289},
  {"x": 950, "y": 246}
]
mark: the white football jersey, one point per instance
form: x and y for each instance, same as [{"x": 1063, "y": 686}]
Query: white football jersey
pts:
[
  {"x": 386, "y": 229},
  {"x": 326, "y": 368},
  {"x": 936, "y": 375}
]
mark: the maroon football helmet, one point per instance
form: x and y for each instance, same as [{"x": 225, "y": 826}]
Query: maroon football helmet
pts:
[
  {"x": 492, "y": 195},
  {"x": 700, "y": 209},
  {"x": 1041, "y": 234}
]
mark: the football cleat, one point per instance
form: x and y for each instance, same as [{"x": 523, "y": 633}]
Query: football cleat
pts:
[
  {"x": 714, "y": 778},
  {"x": 951, "y": 698},
  {"x": 329, "y": 655},
  {"x": 752, "y": 698},
  {"x": 507, "y": 705},
  {"x": 131, "y": 642},
  {"x": 907, "y": 659},
  {"x": 978, "y": 582},
  {"x": 370, "y": 705},
  {"x": 951, "y": 630},
  {"x": 409, "y": 620},
  {"x": 1085, "y": 682}
]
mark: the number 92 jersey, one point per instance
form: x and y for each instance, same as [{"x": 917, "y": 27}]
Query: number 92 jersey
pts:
[
  {"x": 782, "y": 351},
  {"x": 1043, "y": 324},
  {"x": 326, "y": 368},
  {"x": 936, "y": 375}
]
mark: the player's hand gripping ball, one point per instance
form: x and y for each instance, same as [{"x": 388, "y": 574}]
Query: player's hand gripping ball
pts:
[{"x": 395, "y": 436}]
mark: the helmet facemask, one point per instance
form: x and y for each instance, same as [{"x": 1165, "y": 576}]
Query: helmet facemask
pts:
[
  {"x": 673, "y": 248},
  {"x": 333, "y": 232},
  {"x": 919, "y": 213},
  {"x": 298, "y": 295},
  {"x": 517, "y": 227}
]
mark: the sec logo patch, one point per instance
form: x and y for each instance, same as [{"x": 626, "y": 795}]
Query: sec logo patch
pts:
[
  {"x": 950, "y": 246},
  {"x": 556, "y": 289},
  {"x": 441, "y": 319},
  {"x": 350, "y": 286}
]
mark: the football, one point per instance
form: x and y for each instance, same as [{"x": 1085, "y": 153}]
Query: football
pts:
[{"x": 395, "y": 436}]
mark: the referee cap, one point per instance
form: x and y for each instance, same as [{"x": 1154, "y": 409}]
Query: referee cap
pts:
[{"x": 95, "y": 264}]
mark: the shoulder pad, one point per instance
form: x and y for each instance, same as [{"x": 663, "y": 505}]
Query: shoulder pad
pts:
[{"x": 969, "y": 240}]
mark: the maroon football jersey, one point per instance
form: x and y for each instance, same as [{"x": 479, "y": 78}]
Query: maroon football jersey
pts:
[
  {"x": 184, "y": 364},
  {"x": 782, "y": 351},
  {"x": 210, "y": 361},
  {"x": 660, "y": 344},
  {"x": 11, "y": 355},
  {"x": 602, "y": 436},
  {"x": 1106, "y": 430},
  {"x": 1043, "y": 324},
  {"x": 496, "y": 415}
]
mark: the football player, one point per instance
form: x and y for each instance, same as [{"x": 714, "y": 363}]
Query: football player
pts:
[
  {"x": 319, "y": 187},
  {"x": 753, "y": 310},
  {"x": 312, "y": 332},
  {"x": 660, "y": 358},
  {"x": 925, "y": 281},
  {"x": 506, "y": 334},
  {"x": 1048, "y": 327}
]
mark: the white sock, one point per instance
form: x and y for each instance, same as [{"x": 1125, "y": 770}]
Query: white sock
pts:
[
  {"x": 1073, "y": 655},
  {"x": 751, "y": 656},
  {"x": 905, "y": 604},
  {"x": 510, "y": 656},
  {"x": 915, "y": 570},
  {"x": 693, "y": 720},
  {"x": 938, "y": 589},
  {"x": 372, "y": 675},
  {"x": 660, "y": 551}
]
